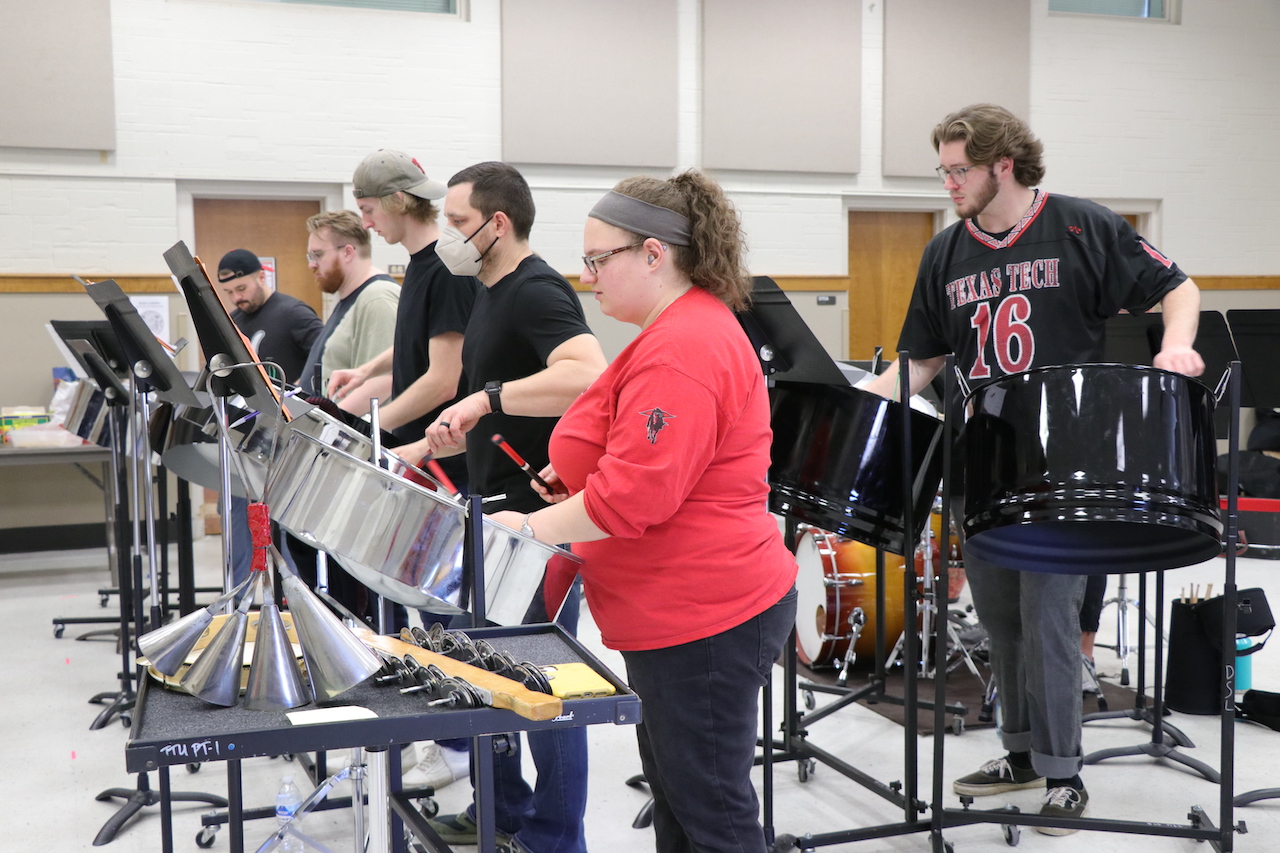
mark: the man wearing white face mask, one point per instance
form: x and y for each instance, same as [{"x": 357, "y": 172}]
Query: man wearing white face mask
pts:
[
  {"x": 528, "y": 355},
  {"x": 395, "y": 198}
]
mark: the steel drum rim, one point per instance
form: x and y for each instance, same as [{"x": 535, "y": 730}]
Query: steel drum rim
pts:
[
  {"x": 451, "y": 503},
  {"x": 1053, "y": 368}
]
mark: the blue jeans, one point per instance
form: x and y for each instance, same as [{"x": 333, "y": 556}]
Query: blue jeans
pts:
[
  {"x": 241, "y": 540},
  {"x": 546, "y": 818},
  {"x": 697, "y": 737}
]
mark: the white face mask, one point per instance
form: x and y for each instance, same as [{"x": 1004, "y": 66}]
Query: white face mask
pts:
[{"x": 459, "y": 254}]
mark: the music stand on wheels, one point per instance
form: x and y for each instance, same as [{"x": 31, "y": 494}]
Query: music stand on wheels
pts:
[{"x": 153, "y": 370}]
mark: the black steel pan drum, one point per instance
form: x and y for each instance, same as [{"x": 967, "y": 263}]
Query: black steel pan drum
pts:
[
  {"x": 1091, "y": 469},
  {"x": 837, "y": 462}
]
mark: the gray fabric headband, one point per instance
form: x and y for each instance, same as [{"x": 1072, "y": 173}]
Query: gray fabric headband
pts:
[{"x": 640, "y": 217}]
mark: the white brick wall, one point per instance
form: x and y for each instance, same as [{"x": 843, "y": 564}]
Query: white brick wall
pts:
[{"x": 240, "y": 95}]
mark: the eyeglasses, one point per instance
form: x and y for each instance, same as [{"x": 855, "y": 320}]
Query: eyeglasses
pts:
[
  {"x": 957, "y": 174},
  {"x": 592, "y": 260},
  {"x": 314, "y": 257}
]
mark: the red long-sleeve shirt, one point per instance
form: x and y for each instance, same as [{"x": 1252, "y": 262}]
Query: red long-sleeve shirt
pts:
[{"x": 671, "y": 446}]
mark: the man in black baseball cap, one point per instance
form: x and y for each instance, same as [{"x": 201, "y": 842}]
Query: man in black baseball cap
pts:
[{"x": 281, "y": 327}]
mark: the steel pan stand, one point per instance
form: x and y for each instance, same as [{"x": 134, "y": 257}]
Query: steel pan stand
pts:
[
  {"x": 1200, "y": 827},
  {"x": 795, "y": 746}
]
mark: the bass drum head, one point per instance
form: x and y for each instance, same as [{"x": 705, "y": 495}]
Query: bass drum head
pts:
[{"x": 814, "y": 556}]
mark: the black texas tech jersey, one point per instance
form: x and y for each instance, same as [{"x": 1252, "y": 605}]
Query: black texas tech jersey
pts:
[{"x": 1035, "y": 297}]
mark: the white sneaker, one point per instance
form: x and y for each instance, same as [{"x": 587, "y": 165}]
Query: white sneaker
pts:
[
  {"x": 1089, "y": 678},
  {"x": 436, "y": 766}
]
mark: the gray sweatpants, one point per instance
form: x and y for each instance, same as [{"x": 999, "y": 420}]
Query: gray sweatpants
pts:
[{"x": 1033, "y": 619}]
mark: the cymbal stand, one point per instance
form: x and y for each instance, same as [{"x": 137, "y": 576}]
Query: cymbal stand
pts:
[
  {"x": 1123, "y": 602},
  {"x": 1170, "y": 735}
]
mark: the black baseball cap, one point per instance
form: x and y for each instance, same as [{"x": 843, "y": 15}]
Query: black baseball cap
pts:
[{"x": 236, "y": 263}]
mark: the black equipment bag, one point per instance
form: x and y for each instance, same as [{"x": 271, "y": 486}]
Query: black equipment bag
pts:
[
  {"x": 1260, "y": 707},
  {"x": 1193, "y": 682}
]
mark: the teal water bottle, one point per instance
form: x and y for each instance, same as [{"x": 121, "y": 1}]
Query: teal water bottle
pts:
[{"x": 1244, "y": 664}]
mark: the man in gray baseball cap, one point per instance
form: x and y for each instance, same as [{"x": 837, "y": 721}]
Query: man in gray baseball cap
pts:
[{"x": 386, "y": 172}]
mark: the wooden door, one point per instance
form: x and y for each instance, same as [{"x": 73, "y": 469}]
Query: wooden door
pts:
[
  {"x": 884, "y": 253},
  {"x": 270, "y": 228}
]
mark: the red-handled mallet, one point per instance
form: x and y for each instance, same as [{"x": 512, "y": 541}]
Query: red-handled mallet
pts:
[{"x": 524, "y": 466}]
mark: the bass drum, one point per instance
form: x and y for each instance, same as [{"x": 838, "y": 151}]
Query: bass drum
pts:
[{"x": 837, "y": 575}]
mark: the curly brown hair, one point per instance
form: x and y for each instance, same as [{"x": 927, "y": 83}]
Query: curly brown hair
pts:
[
  {"x": 990, "y": 132},
  {"x": 715, "y": 260}
]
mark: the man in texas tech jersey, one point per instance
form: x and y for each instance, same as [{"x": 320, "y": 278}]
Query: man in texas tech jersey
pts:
[{"x": 1028, "y": 279}]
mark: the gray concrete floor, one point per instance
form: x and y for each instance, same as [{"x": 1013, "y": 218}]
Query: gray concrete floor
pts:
[{"x": 59, "y": 766}]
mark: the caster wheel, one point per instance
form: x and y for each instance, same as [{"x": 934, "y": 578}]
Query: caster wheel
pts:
[
  {"x": 957, "y": 725},
  {"x": 102, "y": 600},
  {"x": 806, "y": 768},
  {"x": 205, "y": 837},
  {"x": 1012, "y": 833},
  {"x": 783, "y": 844},
  {"x": 948, "y": 847},
  {"x": 194, "y": 767},
  {"x": 57, "y": 632},
  {"x": 809, "y": 701},
  {"x": 126, "y": 720},
  {"x": 429, "y": 807}
]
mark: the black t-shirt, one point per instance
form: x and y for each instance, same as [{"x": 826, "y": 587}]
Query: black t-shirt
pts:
[
  {"x": 289, "y": 328},
  {"x": 1037, "y": 296},
  {"x": 515, "y": 325},
  {"x": 433, "y": 301}
]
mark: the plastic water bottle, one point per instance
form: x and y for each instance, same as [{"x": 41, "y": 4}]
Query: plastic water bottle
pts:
[
  {"x": 288, "y": 798},
  {"x": 1244, "y": 665}
]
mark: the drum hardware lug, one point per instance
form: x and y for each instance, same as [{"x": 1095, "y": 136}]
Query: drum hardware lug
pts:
[{"x": 841, "y": 582}]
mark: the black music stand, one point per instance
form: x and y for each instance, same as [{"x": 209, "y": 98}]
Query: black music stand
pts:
[
  {"x": 153, "y": 370},
  {"x": 1256, "y": 332},
  {"x": 83, "y": 340},
  {"x": 790, "y": 353}
]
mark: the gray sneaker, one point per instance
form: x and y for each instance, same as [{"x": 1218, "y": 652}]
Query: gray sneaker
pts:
[
  {"x": 996, "y": 777},
  {"x": 1062, "y": 802}
]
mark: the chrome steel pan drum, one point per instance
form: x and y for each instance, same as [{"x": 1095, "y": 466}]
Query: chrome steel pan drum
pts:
[
  {"x": 1091, "y": 469},
  {"x": 837, "y": 462},
  {"x": 398, "y": 538}
]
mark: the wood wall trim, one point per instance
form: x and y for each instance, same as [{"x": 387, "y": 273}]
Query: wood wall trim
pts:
[
  {"x": 1237, "y": 282},
  {"x": 804, "y": 283},
  {"x": 58, "y": 283},
  {"x": 64, "y": 283}
]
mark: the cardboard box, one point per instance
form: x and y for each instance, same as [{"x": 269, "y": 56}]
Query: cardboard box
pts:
[{"x": 16, "y": 417}]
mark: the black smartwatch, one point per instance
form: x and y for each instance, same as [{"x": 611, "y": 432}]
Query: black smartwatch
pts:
[{"x": 494, "y": 390}]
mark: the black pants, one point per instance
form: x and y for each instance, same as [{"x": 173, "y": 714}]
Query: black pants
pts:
[
  {"x": 698, "y": 738},
  {"x": 1095, "y": 590}
]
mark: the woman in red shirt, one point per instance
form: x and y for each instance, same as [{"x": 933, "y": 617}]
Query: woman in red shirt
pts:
[{"x": 665, "y": 460}]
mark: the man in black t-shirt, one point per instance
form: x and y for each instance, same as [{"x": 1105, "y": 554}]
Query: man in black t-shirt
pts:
[
  {"x": 282, "y": 330},
  {"x": 288, "y": 326},
  {"x": 1027, "y": 280},
  {"x": 528, "y": 354},
  {"x": 395, "y": 198}
]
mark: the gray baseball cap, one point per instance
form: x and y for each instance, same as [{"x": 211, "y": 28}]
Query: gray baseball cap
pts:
[{"x": 386, "y": 172}]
